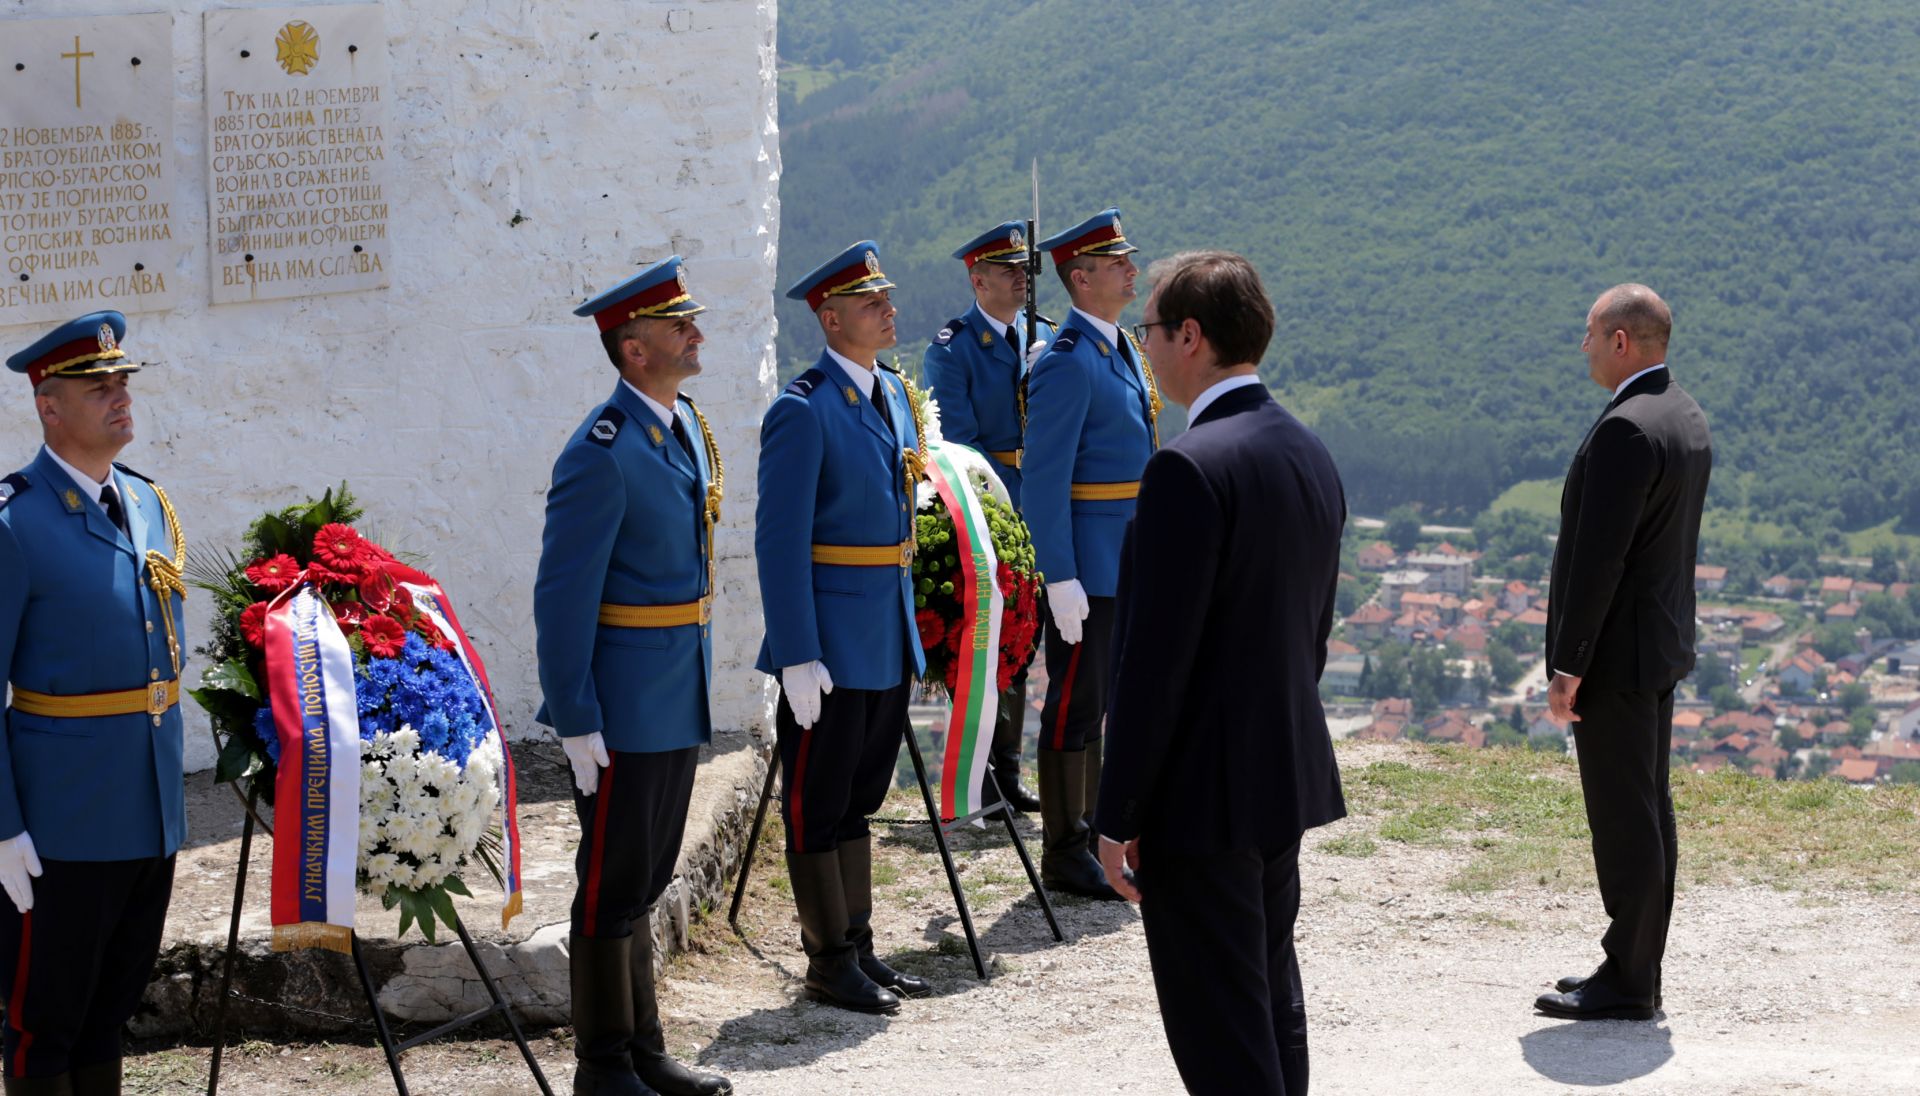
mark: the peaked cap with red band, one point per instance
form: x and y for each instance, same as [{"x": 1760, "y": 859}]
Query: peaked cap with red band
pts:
[
  {"x": 658, "y": 292},
  {"x": 1003, "y": 243},
  {"x": 86, "y": 347},
  {"x": 855, "y": 270},
  {"x": 1097, "y": 235}
]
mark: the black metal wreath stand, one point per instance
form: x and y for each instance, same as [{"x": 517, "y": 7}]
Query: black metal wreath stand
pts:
[
  {"x": 392, "y": 1049},
  {"x": 941, "y": 828}
]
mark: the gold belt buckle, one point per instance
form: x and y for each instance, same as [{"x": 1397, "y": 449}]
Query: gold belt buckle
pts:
[
  {"x": 906, "y": 554},
  {"x": 157, "y": 698}
]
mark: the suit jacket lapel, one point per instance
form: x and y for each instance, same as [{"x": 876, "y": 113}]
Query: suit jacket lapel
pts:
[
  {"x": 862, "y": 405},
  {"x": 138, "y": 527},
  {"x": 74, "y": 496},
  {"x": 657, "y": 435}
]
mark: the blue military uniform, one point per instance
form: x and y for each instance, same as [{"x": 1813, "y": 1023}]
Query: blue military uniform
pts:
[
  {"x": 90, "y": 768},
  {"x": 622, "y": 604},
  {"x": 840, "y": 454},
  {"x": 1092, "y": 422},
  {"x": 976, "y": 369}
]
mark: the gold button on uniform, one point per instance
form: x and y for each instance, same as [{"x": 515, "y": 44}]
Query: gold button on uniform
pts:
[
  {"x": 149, "y": 627},
  {"x": 153, "y": 675},
  {"x": 156, "y": 721}
]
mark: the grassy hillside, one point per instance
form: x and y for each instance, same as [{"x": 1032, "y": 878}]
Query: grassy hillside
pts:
[{"x": 1435, "y": 193}]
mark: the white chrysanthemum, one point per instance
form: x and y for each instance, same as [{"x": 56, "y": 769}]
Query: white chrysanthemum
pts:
[
  {"x": 380, "y": 868},
  {"x": 427, "y": 812},
  {"x": 405, "y": 742}
]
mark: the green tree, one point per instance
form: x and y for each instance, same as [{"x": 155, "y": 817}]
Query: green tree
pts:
[
  {"x": 1710, "y": 673},
  {"x": 1506, "y": 668},
  {"x": 1403, "y": 528},
  {"x": 1886, "y": 565},
  {"x": 1906, "y": 772},
  {"x": 1726, "y": 698}
]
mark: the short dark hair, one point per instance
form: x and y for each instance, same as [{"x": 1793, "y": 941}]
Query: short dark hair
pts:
[
  {"x": 1066, "y": 269},
  {"x": 612, "y": 337},
  {"x": 1221, "y": 292},
  {"x": 1638, "y": 311}
]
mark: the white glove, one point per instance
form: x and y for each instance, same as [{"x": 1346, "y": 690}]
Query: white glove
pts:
[
  {"x": 804, "y": 685},
  {"x": 18, "y": 861},
  {"x": 587, "y": 753},
  {"x": 1068, "y": 603},
  {"x": 1038, "y": 348}
]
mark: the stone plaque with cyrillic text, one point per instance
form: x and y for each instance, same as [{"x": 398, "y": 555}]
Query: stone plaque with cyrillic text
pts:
[
  {"x": 87, "y": 167},
  {"x": 298, "y": 181}
]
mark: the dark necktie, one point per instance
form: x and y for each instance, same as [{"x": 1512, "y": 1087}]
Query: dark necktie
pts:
[
  {"x": 1013, "y": 339},
  {"x": 110, "y": 500},
  {"x": 686, "y": 443},
  {"x": 880, "y": 402}
]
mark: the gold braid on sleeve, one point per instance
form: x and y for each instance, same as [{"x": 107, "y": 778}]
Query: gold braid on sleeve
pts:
[
  {"x": 716, "y": 485},
  {"x": 167, "y": 576}
]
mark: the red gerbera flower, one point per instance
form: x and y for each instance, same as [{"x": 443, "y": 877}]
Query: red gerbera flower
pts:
[
  {"x": 253, "y": 624},
  {"x": 340, "y": 548},
  {"x": 274, "y": 574},
  {"x": 383, "y": 636},
  {"x": 932, "y": 628}
]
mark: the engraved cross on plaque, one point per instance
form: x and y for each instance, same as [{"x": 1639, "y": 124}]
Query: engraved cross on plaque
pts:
[{"x": 76, "y": 55}]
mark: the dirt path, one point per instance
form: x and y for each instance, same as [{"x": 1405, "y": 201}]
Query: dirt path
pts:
[{"x": 1412, "y": 988}]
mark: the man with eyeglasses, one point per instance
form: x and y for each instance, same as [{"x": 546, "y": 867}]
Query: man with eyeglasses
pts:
[
  {"x": 1092, "y": 412},
  {"x": 975, "y": 367},
  {"x": 1227, "y": 578}
]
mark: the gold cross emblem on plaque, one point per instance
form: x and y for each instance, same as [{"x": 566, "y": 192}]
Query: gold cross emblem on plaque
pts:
[{"x": 76, "y": 55}]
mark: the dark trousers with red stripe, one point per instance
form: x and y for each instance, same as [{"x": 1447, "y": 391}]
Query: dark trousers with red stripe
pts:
[
  {"x": 835, "y": 774},
  {"x": 75, "y": 966},
  {"x": 1076, "y": 709},
  {"x": 630, "y": 831}
]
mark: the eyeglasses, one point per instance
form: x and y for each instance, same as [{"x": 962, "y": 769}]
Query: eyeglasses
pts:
[{"x": 1140, "y": 329}]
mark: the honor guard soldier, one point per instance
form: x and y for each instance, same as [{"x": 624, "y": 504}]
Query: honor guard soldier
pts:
[
  {"x": 975, "y": 367},
  {"x": 92, "y": 803},
  {"x": 621, "y": 606},
  {"x": 1091, "y": 425},
  {"x": 840, "y": 453}
]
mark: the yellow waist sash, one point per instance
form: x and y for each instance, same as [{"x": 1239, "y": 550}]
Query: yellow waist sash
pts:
[
  {"x": 1008, "y": 457},
  {"x": 657, "y": 616},
  {"x": 878, "y": 555},
  {"x": 152, "y": 700},
  {"x": 1088, "y": 492}
]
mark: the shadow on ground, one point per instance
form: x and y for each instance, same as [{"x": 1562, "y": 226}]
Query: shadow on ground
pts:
[{"x": 1598, "y": 1052}]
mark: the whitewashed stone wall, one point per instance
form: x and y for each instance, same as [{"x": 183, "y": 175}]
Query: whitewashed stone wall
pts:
[{"x": 540, "y": 151}]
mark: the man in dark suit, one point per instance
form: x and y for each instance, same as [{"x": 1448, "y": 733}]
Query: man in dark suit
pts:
[
  {"x": 1620, "y": 636},
  {"x": 1219, "y": 757}
]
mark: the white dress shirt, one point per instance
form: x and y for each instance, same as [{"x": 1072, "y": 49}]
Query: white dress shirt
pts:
[
  {"x": 90, "y": 487},
  {"x": 1218, "y": 389},
  {"x": 666, "y": 416},
  {"x": 1637, "y": 376},
  {"x": 862, "y": 374}
]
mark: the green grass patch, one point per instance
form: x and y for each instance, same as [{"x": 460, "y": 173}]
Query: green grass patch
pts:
[
  {"x": 1356, "y": 845},
  {"x": 1862, "y": 542},
  {"x": 1541, "y": 496},
  {"x": 1520, "y": 819},
  {"x": 799, "y": 81}
]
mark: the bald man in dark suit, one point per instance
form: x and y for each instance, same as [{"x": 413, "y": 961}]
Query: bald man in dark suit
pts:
[{"x": 1620, "y": 636}]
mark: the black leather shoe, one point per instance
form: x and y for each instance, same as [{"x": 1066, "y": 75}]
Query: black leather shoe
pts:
[
  {"x": 848, "y": 987},
  {"x": 900, "y": 982},
  {"x": 1065, "y": 863},
  {"x": 1574, "y": 981},
  {"x": 1594, "y": 1001}
]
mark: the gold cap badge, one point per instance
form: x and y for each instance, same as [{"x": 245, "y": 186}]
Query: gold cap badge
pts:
[
  {"x": 873, "y": 263},
  {"x": 105, "y": 337}
]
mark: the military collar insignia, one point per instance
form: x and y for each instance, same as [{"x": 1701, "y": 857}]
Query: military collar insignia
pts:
[
  {"x": 1102, "y": 344},
  {"x": 986, "y": 338},
  {"x": 653, "y": 431},
  {"x": 72, "y": 498},
  {"x": 853, "y": 398}
]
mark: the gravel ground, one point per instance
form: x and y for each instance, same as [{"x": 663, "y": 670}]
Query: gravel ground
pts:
[{"x": 1412, "y": 988}]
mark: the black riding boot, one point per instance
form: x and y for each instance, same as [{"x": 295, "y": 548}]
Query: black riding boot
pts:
[
  {"x": 833, "y": 965},
  {"x": 649, "y": 1046},
  {"x": 1065, "y": 863},
  {"x": 603, "y": 1017},
  {"x": 1004, "y": 757},
  {"x": 856, "y": 875}
]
